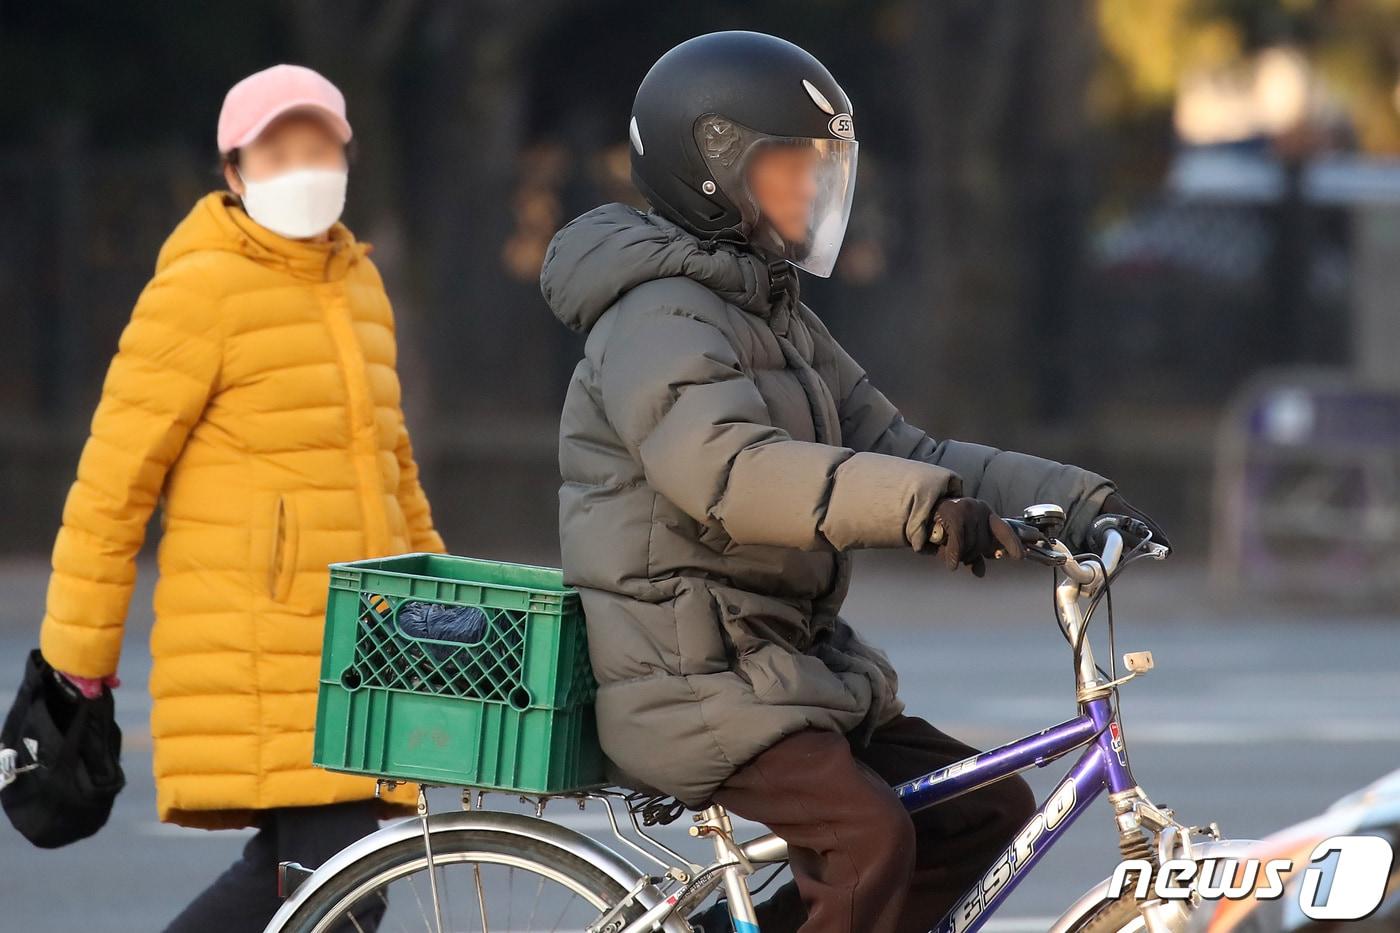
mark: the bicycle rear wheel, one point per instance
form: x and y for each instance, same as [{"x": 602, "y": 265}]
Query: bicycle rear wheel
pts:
[{"x": 486, "y": 880}]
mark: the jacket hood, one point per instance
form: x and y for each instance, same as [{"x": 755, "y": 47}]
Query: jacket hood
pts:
[
  {"x": 601, "y": 255},
  {"x": 218, "y": 223}
]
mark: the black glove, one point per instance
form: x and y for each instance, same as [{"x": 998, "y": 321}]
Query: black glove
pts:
[
  {"x": 1117, "y": 505},
  {"x": 967, "y": 531}
]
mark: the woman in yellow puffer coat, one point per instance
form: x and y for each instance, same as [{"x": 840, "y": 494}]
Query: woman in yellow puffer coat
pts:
[{"x": 254, "y": 393}]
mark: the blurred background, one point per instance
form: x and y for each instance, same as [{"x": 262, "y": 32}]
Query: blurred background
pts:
[
  {"x": 1154, "y": 237},
  {"x": 1158, "y": 238}
]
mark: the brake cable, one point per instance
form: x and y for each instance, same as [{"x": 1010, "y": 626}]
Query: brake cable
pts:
[
  {"x": 1105, "y": 594},
  {"x": 1134, "y": 555}
]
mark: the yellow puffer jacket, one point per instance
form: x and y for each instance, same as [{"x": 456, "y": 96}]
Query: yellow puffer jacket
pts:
[{"x": 254, "y": 390}]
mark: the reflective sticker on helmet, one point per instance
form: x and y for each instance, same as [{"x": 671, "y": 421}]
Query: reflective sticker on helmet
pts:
[
  {"x": 842, "y": 126},
  {"x": 818, "y": 97}
]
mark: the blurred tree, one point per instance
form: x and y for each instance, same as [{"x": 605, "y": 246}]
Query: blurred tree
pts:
[
  {"x": 995, "y": 135},
  {"x": 1000, "y": 200},
  {"x": 1150, "y": 46}
]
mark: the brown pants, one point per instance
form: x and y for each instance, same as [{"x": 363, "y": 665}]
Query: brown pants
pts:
[{"x": 860, "y": 861}]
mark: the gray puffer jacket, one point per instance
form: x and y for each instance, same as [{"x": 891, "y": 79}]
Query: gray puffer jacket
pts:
[{"x": 721, "y": 455}]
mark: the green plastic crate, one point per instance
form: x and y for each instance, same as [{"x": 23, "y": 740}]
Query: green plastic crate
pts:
[
  {"x": 436, "y": 740},
  {"x": 511, "y": 711}
]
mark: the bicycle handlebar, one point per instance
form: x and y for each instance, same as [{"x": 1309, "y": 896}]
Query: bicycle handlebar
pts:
[
  {"x": 1109, "y": 536},
  {"x": 1134, "y": 531},
  {"x": 1038, "y": 546}
]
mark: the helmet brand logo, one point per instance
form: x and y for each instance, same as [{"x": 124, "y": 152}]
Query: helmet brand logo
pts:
[{"x": 842, "y": 126}]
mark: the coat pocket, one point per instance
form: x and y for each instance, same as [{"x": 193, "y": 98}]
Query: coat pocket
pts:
[
  {"x": 748, "y": 619},
  {"x": 282, "y": 568},
  {"x": 767, "y": 639},
  {"x": 784, "y": 677}
]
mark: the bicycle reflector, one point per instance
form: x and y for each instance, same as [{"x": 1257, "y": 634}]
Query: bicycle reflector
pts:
[{"x": 67, "y": 771}]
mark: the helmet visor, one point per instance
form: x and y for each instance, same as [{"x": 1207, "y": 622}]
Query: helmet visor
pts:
[{"x": 794, "y": 193}]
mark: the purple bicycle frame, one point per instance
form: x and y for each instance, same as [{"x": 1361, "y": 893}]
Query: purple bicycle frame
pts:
[{"x": 1104, "y": 764}]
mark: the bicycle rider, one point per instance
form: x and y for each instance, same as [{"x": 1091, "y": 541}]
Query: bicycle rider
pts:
[{"x": 721, "y": 454}]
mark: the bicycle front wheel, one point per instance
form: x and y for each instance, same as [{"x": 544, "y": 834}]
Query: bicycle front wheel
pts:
[
  {"x": 1122, "y": 915},
  {"x": 486, "y": 880},
  {"x": 1115, "y": 916}
]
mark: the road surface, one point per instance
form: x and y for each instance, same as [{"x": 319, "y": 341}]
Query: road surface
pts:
[{"x": 1256, "y": 716}]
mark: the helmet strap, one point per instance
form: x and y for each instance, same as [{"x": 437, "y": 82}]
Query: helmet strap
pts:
[{"x": 781, "y": 280}]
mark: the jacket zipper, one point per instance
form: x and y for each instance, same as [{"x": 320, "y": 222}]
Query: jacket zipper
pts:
[
  {"x": 364, "y": 446},
  {"x": 826, "y": 426}
]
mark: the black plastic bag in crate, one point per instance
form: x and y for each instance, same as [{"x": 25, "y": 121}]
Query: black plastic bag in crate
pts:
[{"x": 462, "y": 625}]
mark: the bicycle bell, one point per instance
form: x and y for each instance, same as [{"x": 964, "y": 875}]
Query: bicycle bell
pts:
[{"x": 1047, "y": 518}]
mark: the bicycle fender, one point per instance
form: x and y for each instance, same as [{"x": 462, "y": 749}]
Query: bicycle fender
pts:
[
  {"x": 1092, "y": 898},
  {"x": 511, "y": 824}
]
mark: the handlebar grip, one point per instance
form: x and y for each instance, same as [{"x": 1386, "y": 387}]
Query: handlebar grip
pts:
[{"x": 1134, "y": 532}]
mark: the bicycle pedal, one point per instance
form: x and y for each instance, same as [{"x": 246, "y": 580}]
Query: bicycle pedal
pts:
[
  {"x": 1139, "y": 662},
  {"x": 1157, "y": 818}
]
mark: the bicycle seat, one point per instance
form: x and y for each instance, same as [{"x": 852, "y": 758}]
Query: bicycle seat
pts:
[{"x": 653, "y": 804}]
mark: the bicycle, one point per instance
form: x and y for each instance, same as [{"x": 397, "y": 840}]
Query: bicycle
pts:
[{"x": 606, "y": 893}]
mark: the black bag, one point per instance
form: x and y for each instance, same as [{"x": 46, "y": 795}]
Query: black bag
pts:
[{"x": 76, "y": 746}]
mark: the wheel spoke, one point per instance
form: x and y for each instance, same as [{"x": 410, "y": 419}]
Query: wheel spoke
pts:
[
  {"x": 535, "y": 904},
  {"x": 510, "y": 899},
  {"x": 384, "y": 898},
  {"x": 444, "y": 891},
  {"x": 567, "y": 889},
  {"x": 567, "y": 905},
  {"x": 422, "y": 911},
  {"x": 481, "y": 898}
]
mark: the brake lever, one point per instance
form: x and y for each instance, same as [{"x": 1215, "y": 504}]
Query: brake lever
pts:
[
  {"x": 1046, "y": 555},
  {"x": 1037, "y": 545}
]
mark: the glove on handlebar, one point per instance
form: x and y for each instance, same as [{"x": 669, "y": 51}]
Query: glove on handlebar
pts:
[
  {"x": 1117, "y": 505},
  {"x": 967, "y": 531}
]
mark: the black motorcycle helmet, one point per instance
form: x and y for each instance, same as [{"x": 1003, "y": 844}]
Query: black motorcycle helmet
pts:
[{"x": 715, "y": 105}]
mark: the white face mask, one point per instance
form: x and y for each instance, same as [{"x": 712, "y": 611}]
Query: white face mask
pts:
[{"x": 299, "y": 204}]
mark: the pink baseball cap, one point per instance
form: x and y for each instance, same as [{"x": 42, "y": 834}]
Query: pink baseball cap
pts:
[{"x": 262, "y": 97}]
